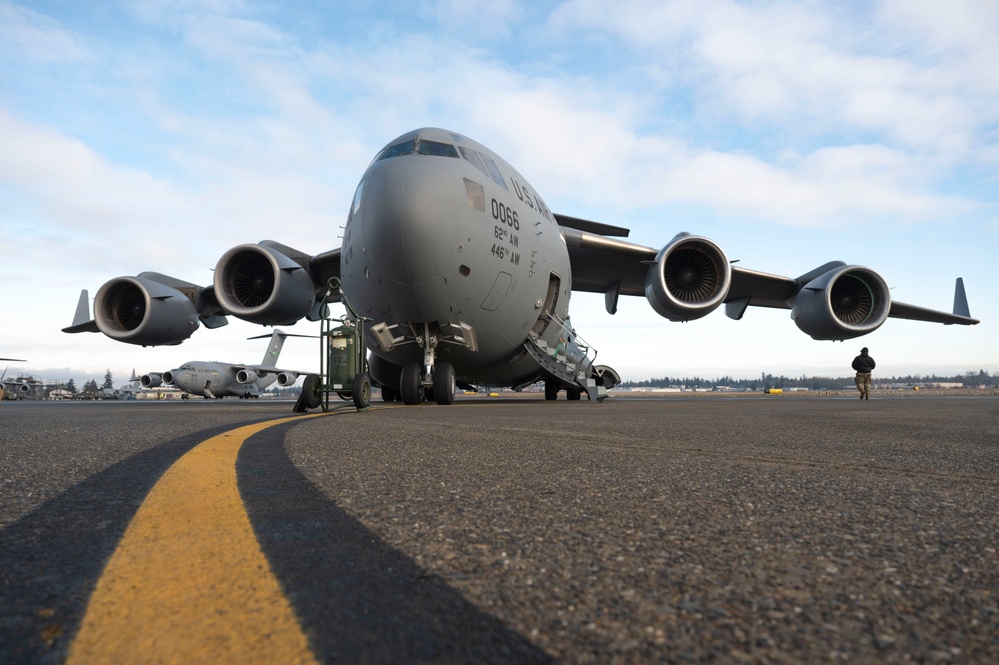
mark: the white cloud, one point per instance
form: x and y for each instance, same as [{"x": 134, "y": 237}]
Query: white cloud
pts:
[
  {"x": 28, "y": 34},
  {"x": 74, "y": 186},
  {"x": 806, "y": 69}
]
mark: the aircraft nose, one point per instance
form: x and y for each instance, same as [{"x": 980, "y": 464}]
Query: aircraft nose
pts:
[{"x": 410, "y": 212}]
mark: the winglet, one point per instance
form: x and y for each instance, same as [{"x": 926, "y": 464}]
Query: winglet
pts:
[
  {"x": 82, "y": 321},
  {"x": 960, "y": 299}
]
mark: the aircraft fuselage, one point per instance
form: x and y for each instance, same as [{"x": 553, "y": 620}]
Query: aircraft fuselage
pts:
[{"x": 444, "y": 232}]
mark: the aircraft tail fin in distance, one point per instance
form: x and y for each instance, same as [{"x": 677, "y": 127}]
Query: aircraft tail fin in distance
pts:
[
  {"x": 274, "y": 348},
  {"x": 82, "y": 321},
  {"x": 961, "y": 299}
]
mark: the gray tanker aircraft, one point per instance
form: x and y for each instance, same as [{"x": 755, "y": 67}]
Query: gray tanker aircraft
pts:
[
  {"x": 465, "y": 275},
  {"x": 218, "y": 380}
]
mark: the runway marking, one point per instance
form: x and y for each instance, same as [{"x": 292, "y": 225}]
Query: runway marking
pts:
[{"x": 188, "y": 581}]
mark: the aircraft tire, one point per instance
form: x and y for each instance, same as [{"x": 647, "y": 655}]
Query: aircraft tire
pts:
[
  {"x": 444, "y": 383},
  {"x": 551, "y": 390},
  {"x": 411, "y": 384},
  {"x": 389, "y": 394},
  {"x": 310, "y": 391},
  {"x": 573, "y": 394},
  {"x": 361, "y": 393}
]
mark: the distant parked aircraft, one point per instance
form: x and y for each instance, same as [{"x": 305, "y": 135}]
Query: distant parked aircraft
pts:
[{"x": 217, "y": 380}]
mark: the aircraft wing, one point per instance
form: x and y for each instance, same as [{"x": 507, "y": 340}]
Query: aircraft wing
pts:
[
  {"x": 599, "y": 263},
  {"x": 265, "y": 370},
  {"x": 691, "y": 276}
]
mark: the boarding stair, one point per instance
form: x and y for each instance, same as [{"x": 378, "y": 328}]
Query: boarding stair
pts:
[{"x": 556, "y": 363}]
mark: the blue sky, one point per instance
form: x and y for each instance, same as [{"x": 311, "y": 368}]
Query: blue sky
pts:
[{"x": 154, "y": 135}]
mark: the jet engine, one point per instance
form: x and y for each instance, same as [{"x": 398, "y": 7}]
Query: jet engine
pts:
[
  {"x": 285, "y": 379},
  {"x": 246, "y": 376},
  {"x": 151, "y": 380},
  {"x": 143, "y": 310},
  {"x": 689, "y": 279},
  {"x": 843, "y": 303},
  {"x": 260, "y": 284}
]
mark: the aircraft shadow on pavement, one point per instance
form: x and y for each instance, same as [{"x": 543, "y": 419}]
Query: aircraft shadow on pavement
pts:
[
  {"x": 51, "y": 559},
  {"x": 358, "y": 599}
]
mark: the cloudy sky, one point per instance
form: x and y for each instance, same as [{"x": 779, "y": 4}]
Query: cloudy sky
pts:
[{"x": 155, "y": 135}]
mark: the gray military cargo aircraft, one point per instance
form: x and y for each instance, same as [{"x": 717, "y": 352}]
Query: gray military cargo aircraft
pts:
[
  {"x": 466, "y": 275},
  {"x": 218, "y": 380}
]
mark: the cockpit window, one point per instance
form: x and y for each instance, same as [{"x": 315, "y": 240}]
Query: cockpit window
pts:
[
  {"x": 493, "y": 171},
  {"x": 355, "y": 206},
  {"x": 435, "y": 149},
  {"x": 473, "y": 157},
  {"x": 399, "y": 149},
  {"x": 419, "y": 146}
]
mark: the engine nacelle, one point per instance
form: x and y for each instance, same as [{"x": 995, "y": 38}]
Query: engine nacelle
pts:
[
  {"x": 246, "y": 376},
  {"x": 168, "y": 378},
  {"x": 690, "y": 278},
  {"x": 285, "y": 379},
  {"x": 151, "y": 380},
  {"x": 257, "y": 283},
  {"x": 843, "y": 303},
  {"x": 141, "y": 310}
]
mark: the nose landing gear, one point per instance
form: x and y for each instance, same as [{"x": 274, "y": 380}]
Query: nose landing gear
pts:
[
  {"x": 437, "y": 384},
  {"x": 434, "y": 379}
]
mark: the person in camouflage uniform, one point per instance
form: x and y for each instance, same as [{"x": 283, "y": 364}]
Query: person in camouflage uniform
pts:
[{"x": 863, "y": 364}]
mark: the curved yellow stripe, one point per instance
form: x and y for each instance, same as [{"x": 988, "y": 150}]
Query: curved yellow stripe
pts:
[{"x": 188, "y": 582}]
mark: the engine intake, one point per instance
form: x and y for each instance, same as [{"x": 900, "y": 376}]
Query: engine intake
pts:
[
  {"x": 151, "y": 380},
  {"x": 258, "y": 283},
  {"x": 690, "y": 278},
  {"x": 246, "y": 376},
  {"x": 841, "y": 304},
  {"x": 141, "y": 310},
  {"x": 286, "y": 379}
]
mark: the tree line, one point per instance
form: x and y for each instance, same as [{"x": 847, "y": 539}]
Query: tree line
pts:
[{"x": 768, "y": 381}]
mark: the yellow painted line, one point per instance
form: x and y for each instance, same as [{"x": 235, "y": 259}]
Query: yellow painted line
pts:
[{"x": 188, "y": 582}]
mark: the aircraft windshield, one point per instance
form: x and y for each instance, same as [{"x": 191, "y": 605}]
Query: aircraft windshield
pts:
[
  {"x": 436, "y": 149},
  {"x": 419, "y": 146},
  {"x": 484, "y": 164}
]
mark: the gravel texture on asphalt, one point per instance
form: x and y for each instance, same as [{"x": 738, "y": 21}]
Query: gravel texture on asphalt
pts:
[
  {"x": 756, "y": 530},
  {"x": 761, "y": 530}
]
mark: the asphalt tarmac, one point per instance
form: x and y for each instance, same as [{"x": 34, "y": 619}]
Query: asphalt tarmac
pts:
[{"x": 769, "y": 529}]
